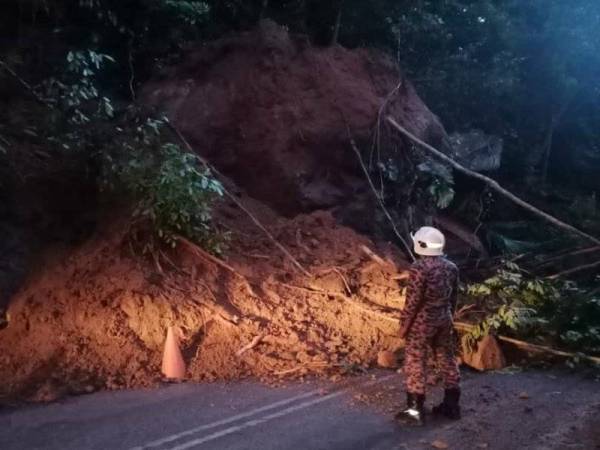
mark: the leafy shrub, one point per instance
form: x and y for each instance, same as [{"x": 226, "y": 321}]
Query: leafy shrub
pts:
[
  {"x": 173, "y": 191},
  {"x": 75, "y": 92},
  {"x": 427, "y": 185},
  {"x": 178, "y": 197},
  {"x": 440, "y": 183},
  {"x": 190, "y": 12},
  {"x": 551, "y": 310}
]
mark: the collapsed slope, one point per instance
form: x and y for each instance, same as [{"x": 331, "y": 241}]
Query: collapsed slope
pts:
[
  {"x": 273, "y": 114},
  {"x": 98, "y": 319}
]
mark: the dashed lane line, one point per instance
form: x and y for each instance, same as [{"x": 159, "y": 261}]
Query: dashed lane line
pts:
[
  {"x": 225, "y": 421},
  {"x": 269, "y": 417}
]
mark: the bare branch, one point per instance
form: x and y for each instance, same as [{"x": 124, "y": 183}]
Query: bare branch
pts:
[
  {"x": 378, "y": 197},
  {"x": 494, "y": 185},
  {"x": 234, "y": 199}
]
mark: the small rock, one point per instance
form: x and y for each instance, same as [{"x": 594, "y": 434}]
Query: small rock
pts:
[
  {"x": 489, "y": 355},
  {"x": 482, "y": 445},
  {"x": 524, "y": 396},
  {"x": 439, "y": 444},
  {"x": 48, "y": 392},
  {"x": 387, "y": 359}
]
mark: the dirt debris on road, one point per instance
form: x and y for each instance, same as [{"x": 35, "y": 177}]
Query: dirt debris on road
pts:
[
  {"x": 560, "y": 411},
  {"x": 94, "y": 317},
  {"x": 98, "y": 319}
]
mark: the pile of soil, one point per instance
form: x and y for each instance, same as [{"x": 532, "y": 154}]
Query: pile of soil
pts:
[
  {"x": 97, "y": 318},
  {"x": 273, "y": 114}
]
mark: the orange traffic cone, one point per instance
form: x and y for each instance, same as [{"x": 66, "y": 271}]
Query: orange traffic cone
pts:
[{"x": 173, "y": 366}]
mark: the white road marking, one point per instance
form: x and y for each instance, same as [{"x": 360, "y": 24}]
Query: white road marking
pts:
[
  {"x": 259, "y": 421},
  {"x": 208, "y": 426}
]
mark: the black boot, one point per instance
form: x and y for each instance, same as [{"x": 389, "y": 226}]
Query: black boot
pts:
[
  {"x": 414, "y": 413},
  {"x": 449, "y": 407}
]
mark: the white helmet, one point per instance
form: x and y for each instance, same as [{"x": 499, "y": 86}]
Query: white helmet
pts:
[{"x": 429, "y": 241}]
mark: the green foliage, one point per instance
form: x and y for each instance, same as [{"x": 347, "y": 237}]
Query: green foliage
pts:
[
  {"x": 150, "y": 28},
  {"x": 440, "y": 181},
  {"x": 507, "y": 299},
  {"x": 177, "y": 198},
  {"x": 116, "y": 14},
  {"x": 505, "y": 316},
  {"x": 189, "y": 12},
  {"x": 75, "y": 91},
  {"x": 429, "y": 185},
  {"x": 535, "y": 307},
  {"x": 575, "y": 319},
  {"x": 174, "y": 192}
]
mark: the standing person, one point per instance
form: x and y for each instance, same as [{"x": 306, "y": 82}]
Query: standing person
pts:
[{"x": 426, "y": 321}]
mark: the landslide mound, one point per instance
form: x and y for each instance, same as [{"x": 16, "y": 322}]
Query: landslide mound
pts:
[
  {"x": 97, "y": 318},
  {"x": 273, "y": 114}
]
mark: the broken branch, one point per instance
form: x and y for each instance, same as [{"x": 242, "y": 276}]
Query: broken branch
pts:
[
  {"x": 26, "y": 85},
  {"x": 569, "y": 254},
  {"x": 493, "y": 184},
  {"x": 377, "y": 196},
  {"x": 574, "y": 270},
  {"x": 253, "y": 343},
  {"x": 239, "y": 204},
  {"x": 198, "y": 251},
  {"x": 371, "y": 254},
  {"x": 463, "y": 234},
  {"x": 315, "y": 364}
]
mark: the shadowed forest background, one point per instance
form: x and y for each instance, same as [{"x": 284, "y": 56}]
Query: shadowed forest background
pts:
[{"x": 85, "y": 144}]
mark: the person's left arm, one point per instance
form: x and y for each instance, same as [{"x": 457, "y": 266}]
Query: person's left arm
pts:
[{"x": 414, "y": 298}]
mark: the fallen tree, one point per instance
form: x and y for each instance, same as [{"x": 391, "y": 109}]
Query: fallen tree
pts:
[
  {"x": 532, "y": 348},
  {"x": 493, "y": 184}
]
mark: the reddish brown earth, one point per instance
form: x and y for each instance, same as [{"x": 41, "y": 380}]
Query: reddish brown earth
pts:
[
  {"x": 273, "y": 114},
  {"x": 97, "y": 318}
]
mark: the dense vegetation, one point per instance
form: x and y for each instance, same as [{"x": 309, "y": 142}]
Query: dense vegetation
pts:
[{"x": 524, "y": 71}]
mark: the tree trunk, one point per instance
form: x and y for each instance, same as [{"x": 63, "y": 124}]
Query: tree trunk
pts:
[
  {"x": 338, "y": 21},
  {"x": 263, "y": 9},
  {"x": 547, "y": 146},
  {"x": 547, "y": 150}
]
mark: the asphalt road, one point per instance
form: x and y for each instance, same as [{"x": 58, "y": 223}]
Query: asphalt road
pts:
[{"x": 522, "y": 410}]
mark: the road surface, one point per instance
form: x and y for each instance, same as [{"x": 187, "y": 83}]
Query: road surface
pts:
[{"x": 537, "y": 410}]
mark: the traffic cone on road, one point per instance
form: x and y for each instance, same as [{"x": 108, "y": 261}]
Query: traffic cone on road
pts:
[{"x": 173, "y": 366}]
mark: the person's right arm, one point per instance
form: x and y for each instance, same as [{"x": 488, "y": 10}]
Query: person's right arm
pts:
[{"x": 454, "y": 295}]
